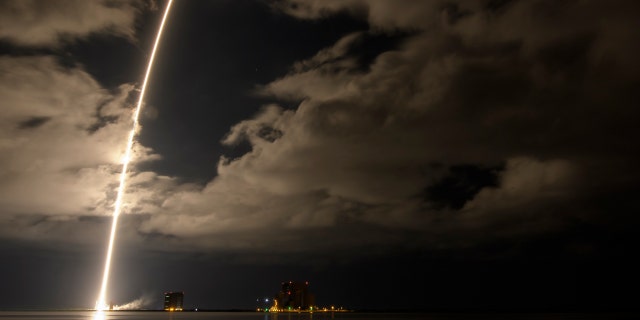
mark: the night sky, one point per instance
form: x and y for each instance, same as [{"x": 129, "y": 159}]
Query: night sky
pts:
[{"x": 395, "y": 154}]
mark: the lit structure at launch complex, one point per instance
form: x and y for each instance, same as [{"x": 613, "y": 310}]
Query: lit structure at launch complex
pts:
[
  {"x": 173, "y": 301},
  {"x": 294, "y": 296}
]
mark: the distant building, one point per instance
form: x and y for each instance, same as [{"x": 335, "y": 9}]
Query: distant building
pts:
[
  {"x": 173, "y": 301},
  {"x": 294, "y": 296}
]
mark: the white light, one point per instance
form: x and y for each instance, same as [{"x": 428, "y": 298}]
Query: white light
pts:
[
  {"x": 99, "y": 315},
  {"x": 101, "y": 303}
]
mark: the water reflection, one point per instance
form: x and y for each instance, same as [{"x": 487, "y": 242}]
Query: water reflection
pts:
[
  {"x": 160, "y": 315},
  {"x": 98, "y": 315}
]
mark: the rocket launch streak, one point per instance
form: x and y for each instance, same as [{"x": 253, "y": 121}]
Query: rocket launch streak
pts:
[{"x": 101, "y": 303}]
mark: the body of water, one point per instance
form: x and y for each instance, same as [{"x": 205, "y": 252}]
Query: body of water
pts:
[{"x": 153, "y": 315}]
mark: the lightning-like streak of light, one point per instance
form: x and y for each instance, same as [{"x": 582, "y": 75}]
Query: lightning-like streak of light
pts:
[{"x": 101, "y": 303}]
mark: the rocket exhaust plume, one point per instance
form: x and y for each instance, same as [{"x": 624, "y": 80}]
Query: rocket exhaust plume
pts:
[
  {"x": 137, "y": 304},
  {"x": 101, "y": 303}
]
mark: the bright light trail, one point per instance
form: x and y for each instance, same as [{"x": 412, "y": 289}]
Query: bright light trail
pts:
[{"x": 101, "y": 303}]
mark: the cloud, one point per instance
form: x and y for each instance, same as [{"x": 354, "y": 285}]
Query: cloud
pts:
[
  {"x": 529, "y": 190},
  {"x": 48, "y": 23},
  {"x": 473, "y": 85},
  {"x": 521, "y": 129},
  {"x": 385, "y": 14},
  {"x": 54, "y": 160},
  {"x": 62, "y": 134}
]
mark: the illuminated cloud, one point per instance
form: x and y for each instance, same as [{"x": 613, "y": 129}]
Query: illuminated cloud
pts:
[
  {"x": 48, "y": 23},
  {"x": 62, "y": 133},
  {"x": 61, "y": 142},
  {"x": 471, "y": 85},
  {"x": 472, "y": 124}
]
